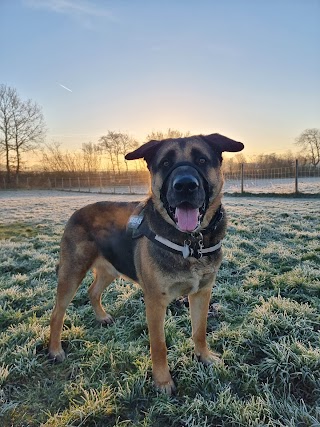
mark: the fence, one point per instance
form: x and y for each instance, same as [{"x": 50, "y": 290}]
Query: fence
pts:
[
  {"x": 295, "y": 179},
  {"x": 101, "y": 184},
  {"x": 132, "y": 183},
  {"x": 247, "y": 179}
]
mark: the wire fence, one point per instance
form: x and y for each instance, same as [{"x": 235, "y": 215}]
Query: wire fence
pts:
[
  {"x": 247, "y": 179},
  {"x": 101, "y": 184},
  {"x": 286, "y": 180}
]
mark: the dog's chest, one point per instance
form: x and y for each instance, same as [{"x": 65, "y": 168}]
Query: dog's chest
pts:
[{"x": 189, "y": 280}]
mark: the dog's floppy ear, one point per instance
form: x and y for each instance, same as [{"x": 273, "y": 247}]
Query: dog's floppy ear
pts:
[
  {"x": 222, "y": 143},
  {"x": 146, "y": 151}
]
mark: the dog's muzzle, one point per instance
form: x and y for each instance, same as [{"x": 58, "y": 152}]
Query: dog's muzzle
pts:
[
  {"x": 186, "y": 207},
  {"x": 185, "y": 184}
]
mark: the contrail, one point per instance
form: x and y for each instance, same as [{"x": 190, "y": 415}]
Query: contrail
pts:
[{"x": 64, "y": 87}]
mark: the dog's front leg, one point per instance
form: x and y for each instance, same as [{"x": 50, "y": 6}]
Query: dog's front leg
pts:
[
  {"x": 199, "y": 306},
  {"x": 156, "y": 311}
]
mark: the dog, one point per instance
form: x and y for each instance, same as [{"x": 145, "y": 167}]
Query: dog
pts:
[{"x": 170, "y": 244}]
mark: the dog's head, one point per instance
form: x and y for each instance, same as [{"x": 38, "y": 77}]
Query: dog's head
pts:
[{"x": 185, "y": 175}]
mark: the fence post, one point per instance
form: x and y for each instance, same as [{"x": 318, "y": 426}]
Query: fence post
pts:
[
  {"x": 79, "y": 183},
  {"x": 69, "y": 184},
  {"x": 296, "y": 173},
  {"x": 130, "y": 185},
  {"x": 89, "y": 184},
  {"x": 242, "y": 177},
  {"x": 100, "y": 181}
]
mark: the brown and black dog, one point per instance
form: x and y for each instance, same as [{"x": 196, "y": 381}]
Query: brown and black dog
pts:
[{"x": 170, "y": 244}]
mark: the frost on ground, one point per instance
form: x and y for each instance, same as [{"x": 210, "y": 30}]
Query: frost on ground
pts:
[
  {"x": 49, "y": 206},
  {"x": 56, "y": 206},
  {"x": 263, "y": 320}
]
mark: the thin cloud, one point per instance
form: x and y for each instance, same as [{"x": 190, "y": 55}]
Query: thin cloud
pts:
[
  {"x": 65, "y": 87},
  {"x": 71, "y": 7}
]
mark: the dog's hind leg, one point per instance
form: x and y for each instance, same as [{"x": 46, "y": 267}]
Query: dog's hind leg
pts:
[
  {"x": 104, "y": 274},
  {"x": 69, "y": 279}
]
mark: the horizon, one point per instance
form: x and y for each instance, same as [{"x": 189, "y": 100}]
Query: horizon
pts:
[
  {"x": 247, "y": 70},
  {"x": 35, "y": 162}
]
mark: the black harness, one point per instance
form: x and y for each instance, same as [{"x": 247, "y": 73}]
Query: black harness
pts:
[{"x": 193, "y": 244}]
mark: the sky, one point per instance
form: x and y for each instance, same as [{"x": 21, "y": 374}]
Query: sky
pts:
[{"x": 248, "y": 69}]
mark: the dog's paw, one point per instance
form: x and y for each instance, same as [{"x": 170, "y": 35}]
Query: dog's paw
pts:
[
  {"x": 209, "y": 358},
  {"x": 166, "y": 387},
  {"x": 57, "y": 356},
  {"x": 106, "y": 320}
]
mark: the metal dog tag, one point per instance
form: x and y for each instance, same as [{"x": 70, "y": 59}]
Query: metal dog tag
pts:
[{"x": 186, "y": 251}]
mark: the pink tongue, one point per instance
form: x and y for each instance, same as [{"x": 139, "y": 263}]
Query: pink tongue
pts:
[{"x": 187, "y": 218}]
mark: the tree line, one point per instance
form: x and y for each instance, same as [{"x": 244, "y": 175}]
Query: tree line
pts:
[
  {"x": 23, "y": 130},
  {"x": 106, "y": 154}
]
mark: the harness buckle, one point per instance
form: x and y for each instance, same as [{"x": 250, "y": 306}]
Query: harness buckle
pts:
[
  {"x": 187, "y": 250},
  {"x": 197, "y": 245},
  {"x": 219, "y": 218}
]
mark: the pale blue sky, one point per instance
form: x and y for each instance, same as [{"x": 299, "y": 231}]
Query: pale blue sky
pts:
[{"x": 249, "y": 69}]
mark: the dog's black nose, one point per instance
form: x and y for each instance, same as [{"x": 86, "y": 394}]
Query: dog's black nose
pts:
[{"x": 185, "y": 183}]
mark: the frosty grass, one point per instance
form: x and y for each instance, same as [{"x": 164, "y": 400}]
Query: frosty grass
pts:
[{"x": 263, "y": 320}]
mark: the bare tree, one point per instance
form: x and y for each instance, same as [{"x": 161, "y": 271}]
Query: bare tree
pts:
[
  {"x": 8, "y": 98},
  {"x": 272, "y": 160},
  {"x": 91, "y": 156},
  {"x": 117, "y": 150},
  {"x": 170, "y": 133},
  {"x": 309, "y": 141},
  {"x": 233, "y": 164},
  {"x": 239, "y": 158},
  {"x": 229, "y": 165},
  {"x": 131, "y": 144},
  {"x": 117, "y": 145},
  {"x": 28, "y": 129},
  {"x": 107, "y": 144},
  {"x": 127, "y": 143},
  {"x": 22, "y": 127},
  {"x": 56, "y": 160}
]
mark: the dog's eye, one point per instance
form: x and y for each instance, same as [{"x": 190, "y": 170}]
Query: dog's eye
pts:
[
  {"x": 165, "y": 163},
  {"x": 202, "y": 161}
]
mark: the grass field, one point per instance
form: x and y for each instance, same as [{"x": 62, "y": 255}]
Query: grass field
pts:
[{"x": 264, "y": 320}]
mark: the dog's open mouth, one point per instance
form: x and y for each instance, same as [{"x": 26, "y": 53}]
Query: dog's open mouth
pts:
[{"x": 187, "y": 217}]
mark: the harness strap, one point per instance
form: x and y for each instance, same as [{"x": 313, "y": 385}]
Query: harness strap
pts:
[
  {"x": 185, "y": 250},
  {"x": 213, "y": 224}
]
